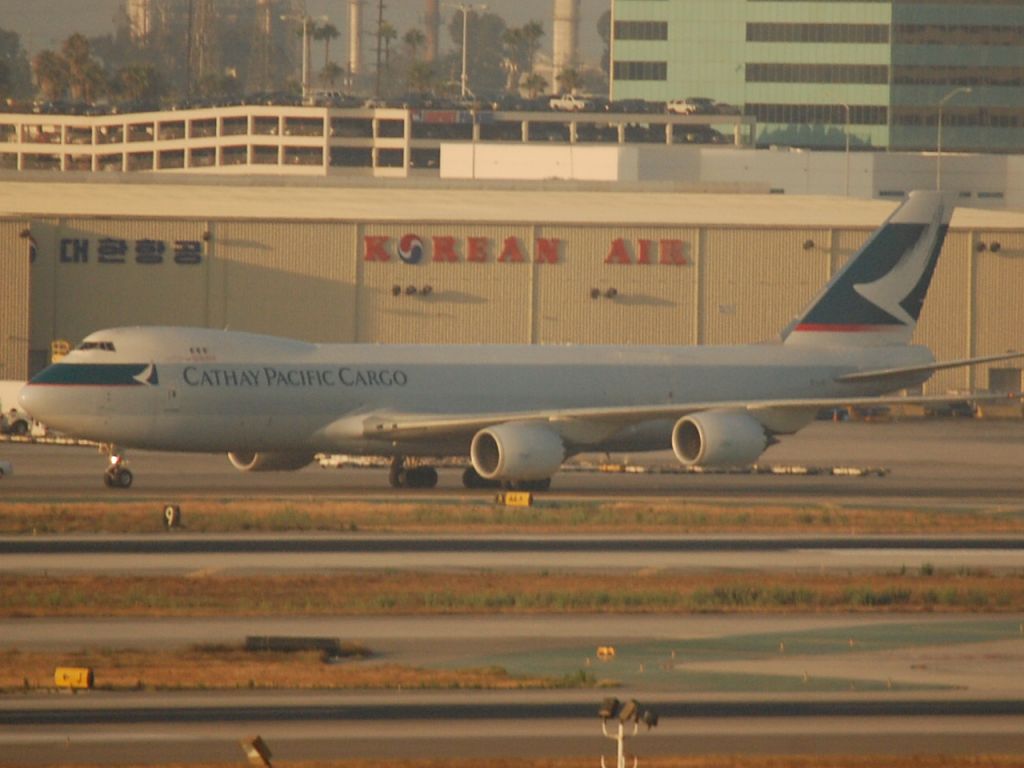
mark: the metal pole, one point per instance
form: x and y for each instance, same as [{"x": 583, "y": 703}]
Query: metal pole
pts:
[
  {"x": 938, "y": 136},
  {"x": 305, "y": 58},
  {"x": 465, "y": 29},
  {"x": 847, "y": 108},
  {"x": 611, "y": 53}
]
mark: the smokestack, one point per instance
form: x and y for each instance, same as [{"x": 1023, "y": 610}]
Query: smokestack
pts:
[
  {"x": 566, "y": 29},
  {"x": 432, "y": 24},
  {"x": 140, "y": 20},
  {"x": 355, "y": 37}
]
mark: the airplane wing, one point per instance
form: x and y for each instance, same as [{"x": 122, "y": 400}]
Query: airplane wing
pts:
[
  {"x": 602, "y": 421},
  {"x": 882, "y": 374}
]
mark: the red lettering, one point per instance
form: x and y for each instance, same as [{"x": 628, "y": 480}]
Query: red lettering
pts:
[
  {"x": 510, "y": 250},
  {"x": 646, "y": 247},
  {"x": 444, "y": 248},
  {"x": 476, "y": 248},
  {"x": 673, "y": 252},
  {"x": 375, "y": 248},
  {"x": 547, "y": 249},
  {"x": 619, "y": 253}
]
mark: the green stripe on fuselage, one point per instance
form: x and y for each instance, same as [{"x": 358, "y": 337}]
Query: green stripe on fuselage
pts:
[{"x": 92, "y": 374}]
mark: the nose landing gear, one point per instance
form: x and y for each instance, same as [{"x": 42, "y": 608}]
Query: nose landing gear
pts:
[{"x": 117, "y": 475}]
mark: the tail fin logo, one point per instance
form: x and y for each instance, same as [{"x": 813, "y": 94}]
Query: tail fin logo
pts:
[{"x": 896, "y": 288}]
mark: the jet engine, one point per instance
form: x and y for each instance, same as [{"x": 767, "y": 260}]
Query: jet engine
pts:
[
  {"x": 250, "y": 461},
  {"x": 719, "y": 439},
  {"x": 517, "y": 451}
]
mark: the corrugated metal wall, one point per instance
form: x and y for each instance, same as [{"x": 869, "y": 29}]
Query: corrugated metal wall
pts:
[
  {"x": 499, "y": 283},
  {"x": 473, "y": 297},
  {"x": 755, "y": 280},
  {"x": 14, "y": 300},
  {"x": 284, "y": 278}
]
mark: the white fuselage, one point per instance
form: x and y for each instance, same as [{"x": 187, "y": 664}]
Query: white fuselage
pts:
[{"x": 192, "y": 389}]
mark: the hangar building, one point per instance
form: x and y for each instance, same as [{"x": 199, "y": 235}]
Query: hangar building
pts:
[{"x": 441, "y": 262}]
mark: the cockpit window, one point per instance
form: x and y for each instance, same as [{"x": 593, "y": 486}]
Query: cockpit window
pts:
[{"x": 106, "y": 346}]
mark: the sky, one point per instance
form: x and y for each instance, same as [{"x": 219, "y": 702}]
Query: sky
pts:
[{"x": 45, "y": 23}]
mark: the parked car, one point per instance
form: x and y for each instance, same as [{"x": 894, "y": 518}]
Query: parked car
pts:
[
  {"x": 568, "y": 102},
  {"x": 695, "y": 105}
]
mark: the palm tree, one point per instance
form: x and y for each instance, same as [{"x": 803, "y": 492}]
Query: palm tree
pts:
[
  {"x": 326, "y": 33},
  {"x": 330, "y": 73},
  {"x": 387, "y": 34},
  {"x": 51, "y": 73},
  {"x": 413, "y": 39},
  {"x": 532, "y": 32}
]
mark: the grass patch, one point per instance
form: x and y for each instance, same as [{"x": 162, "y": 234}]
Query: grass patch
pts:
[
  {"x": 202, "y": 515},
  {"x": 225, "y": 668},
  {"x": 464, "y": 592}
]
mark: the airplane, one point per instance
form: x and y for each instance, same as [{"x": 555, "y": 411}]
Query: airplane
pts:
[{"x": 517, "y": 411}]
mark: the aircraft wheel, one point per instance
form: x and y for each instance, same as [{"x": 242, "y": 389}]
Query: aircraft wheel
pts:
[
  {"x": 421, "y": 477},
  {"x": 124, "y": 478},
  {"x": 471, "y": 479},
  {"x": 108, "y": 480}
]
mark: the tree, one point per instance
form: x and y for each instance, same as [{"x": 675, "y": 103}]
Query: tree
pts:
[
  {"x": 420, "y": 77},
  {"x": 15, "y": 73},
  {"x": 604, "y": 29},
  {"x": 326, "y": 33},
  {"x": 569, "y": 80},
  {"x": 139, "y": 83},
  {"x": 330, "y": 73},
  {"x": 85, "y": 75},
  {"x": 520, "y": 45},
  {"x": 413, "y": 39},
  {"x": 535, "y": 84},
  {"x": 51, "y": 72}
]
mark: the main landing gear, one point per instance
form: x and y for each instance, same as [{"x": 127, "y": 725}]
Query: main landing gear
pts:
[
  {"x": 471, "y": 479},
  {"x": 117, "y": 475},
  {"x": 413, "y": 477}
]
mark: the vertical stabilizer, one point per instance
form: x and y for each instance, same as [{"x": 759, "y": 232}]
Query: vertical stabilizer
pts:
[{"x": 877, "y": 297}]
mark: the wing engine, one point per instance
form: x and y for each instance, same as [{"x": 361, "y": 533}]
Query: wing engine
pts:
[
  {"x": 517, "y": 451},
  {"x": 251, "y": 461},
  {"x": 719, "y": 439}
]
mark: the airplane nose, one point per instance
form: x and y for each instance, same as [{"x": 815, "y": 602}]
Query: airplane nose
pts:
[{"x": 33, "y": 400}]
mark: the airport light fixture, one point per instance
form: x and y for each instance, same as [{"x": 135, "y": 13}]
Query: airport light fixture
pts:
[
  {"x": 306, "y": 20},
  {"x": 938, "y": 137},
  {"x": 624, "y": 713},
  {"x": 465, "y": 8}
]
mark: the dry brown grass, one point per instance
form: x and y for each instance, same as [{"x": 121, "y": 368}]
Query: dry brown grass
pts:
[
  {"x": 547, "y": 516},
  {"x": 229, "y": 668},
  {"x": 390, "y": 592},
  {"x": 704, "y": 761}
]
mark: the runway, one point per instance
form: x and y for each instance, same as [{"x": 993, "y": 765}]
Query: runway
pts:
[
  {"x": 867, "y": 683},
  {"x": 944, "y": 462},
  {"x": 245, "y": 554}
]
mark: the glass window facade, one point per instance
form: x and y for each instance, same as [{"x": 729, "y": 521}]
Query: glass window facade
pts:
[{"x": 799, "y": 66}]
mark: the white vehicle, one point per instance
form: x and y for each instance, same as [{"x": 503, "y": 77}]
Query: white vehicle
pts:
[
  {"x": 517, "y": 412},
  {"x": 568, "y": 102},
  {"x": 13, "y": 420},
  {"x": 692, "y": 106}
]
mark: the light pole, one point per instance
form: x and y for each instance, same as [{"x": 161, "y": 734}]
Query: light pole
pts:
[
  {"x": 612, "y": 709},
  {"x": 466, "y": 8},
  {"x": 611, "y": 52},
  {"x": 847, "y": 132},
  {"x": 938, "y": 138},
  {"x": 306, "y": 21}
]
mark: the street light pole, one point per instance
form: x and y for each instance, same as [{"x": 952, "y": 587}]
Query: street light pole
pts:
[
  {"x": 938, "y": 138},
  {"x": 611, "y": 53},
  {"x": 847, "y": 132},
  {"x": 466, "y": 8}
]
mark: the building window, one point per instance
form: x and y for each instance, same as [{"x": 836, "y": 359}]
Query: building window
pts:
[
  {"x": 808, "y": 114},
  {"x": 816, "y": 33},
  {"x": 641, "y": 30},
  {"x": 817, "y": 73},
  {"x": 957, "y": 34},
  {"x": 936, "y": 75},
  {"x": 641, "y": 70}
]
